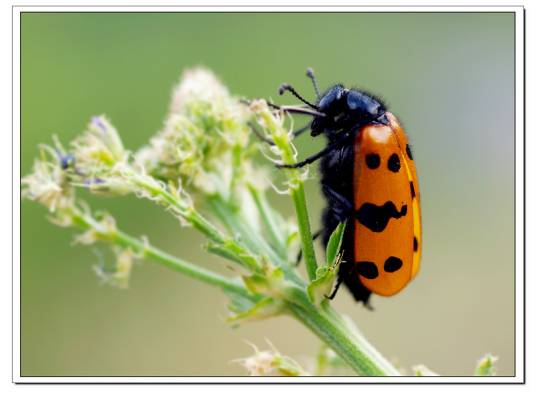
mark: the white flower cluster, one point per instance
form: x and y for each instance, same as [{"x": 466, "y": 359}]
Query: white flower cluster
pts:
[
  {"x": 203, "y": 151},
  {"x": 205, "y": 142},
  {"x": 100, "y": 147},
  {"x": 96, "y": 162},
  {"x": 48, "y": 183}
]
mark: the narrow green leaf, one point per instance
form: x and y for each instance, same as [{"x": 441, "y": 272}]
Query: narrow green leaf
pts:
[{"x": 334, "y": 243}]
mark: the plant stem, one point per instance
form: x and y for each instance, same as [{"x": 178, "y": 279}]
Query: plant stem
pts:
[
  {"x": 287, "y": 152},
  {"x": 193, "y": 217},
  {"x": 331, "y": 328},
  {"x": 252, "y": 240},
  {"x": 265, "y": 211},
  {"x": 338, "y": 340},
  {"x": 300, "y": 205},
  {"x": 230, "y": 218},
  {"x": 140, "y": 247},
  {"x": 359, "y": 338}
]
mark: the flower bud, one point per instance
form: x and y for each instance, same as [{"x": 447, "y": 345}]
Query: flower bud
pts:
[{"x": 486, "y": 366}]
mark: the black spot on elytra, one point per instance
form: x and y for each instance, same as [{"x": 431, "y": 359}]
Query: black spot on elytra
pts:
[
  {"x": 412, "y": 187},
  {"x": 376, "y": 218},
  {"x": 415, "y": 244},
  {"x": 373, "y": 161},
  {"x": 392, "y": 264},
  {"x": 393, "y": 163},
  {"x": 408, "y": 151},
  {"x": 367, "y": 269}
]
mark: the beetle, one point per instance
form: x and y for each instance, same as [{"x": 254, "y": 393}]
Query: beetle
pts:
[{"x": 368, "y": 178}]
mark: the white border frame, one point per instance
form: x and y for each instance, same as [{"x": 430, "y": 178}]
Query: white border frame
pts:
[{"x": 519, "y": 198}]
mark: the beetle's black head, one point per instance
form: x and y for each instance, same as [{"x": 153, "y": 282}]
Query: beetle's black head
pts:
[
  {"x": 340, "y": 109},
  {"x": 345, "y": 109}
]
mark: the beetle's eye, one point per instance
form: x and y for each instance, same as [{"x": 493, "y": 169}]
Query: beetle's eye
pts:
[{"x": 375, "y": 110}]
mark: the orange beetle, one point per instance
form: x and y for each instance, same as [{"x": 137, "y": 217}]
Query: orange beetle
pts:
[{"x": 369, "y": 179}]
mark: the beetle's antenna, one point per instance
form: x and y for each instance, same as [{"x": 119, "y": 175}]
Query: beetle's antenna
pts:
[
  {"x": 287, "y": 87},
  {"x": 311, "y": 74}
]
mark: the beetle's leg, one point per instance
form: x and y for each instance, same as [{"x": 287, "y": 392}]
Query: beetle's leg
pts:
[
  {"x": 296, "y": 133},
  {"x": 343, "y": 207},
  {"x": 334, "y": 292},
  {"x": 319, "y": 154}
]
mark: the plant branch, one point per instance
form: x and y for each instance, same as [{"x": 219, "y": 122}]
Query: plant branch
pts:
[
  {"x": 252, "y": 240},
  {"x": 287, "y": 153},
  {"x": 143, "y": 248},
  {"x": 234, "y": 248},
  {"x": 331, "y": 328},
  {"x": 265, "y": 211},
  {"x": 300, "y": 205}
]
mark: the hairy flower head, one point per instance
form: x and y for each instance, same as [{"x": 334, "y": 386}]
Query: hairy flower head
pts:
[
  {"x": 100, "y": 159},
  {"x": 205, "y": 141},
  {"x": 48, "y": 182},
  {"x": 99, "y": 147}
]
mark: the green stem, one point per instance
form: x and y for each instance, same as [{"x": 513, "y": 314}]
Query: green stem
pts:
[
  {"x": 338, "y": 340},
  {"x": 274, "y": 233},
  {"x": 138, "y": 246},
  {"x": 331, "y": 328},
  {"x": 361, "y": 341},
  {"x": 282, "y": 140},
  {"x": 236, "y": 250},
  {"x": 230, "y": 218},
  {"x": 300, "y": 205},
  {"x": 193, "y": 217},
  {"x": 252, "y": 240}
]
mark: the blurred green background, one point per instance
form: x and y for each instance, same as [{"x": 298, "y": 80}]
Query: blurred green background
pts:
[{"x": 448, "y": 76}]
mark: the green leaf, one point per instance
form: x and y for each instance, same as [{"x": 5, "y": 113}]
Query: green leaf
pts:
[
  {"x": 265, "y": 308},
  {"x": 322, "y": 285},
  {"x": 238, "y": 302},
  {"x": 334, "y": 243}
]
